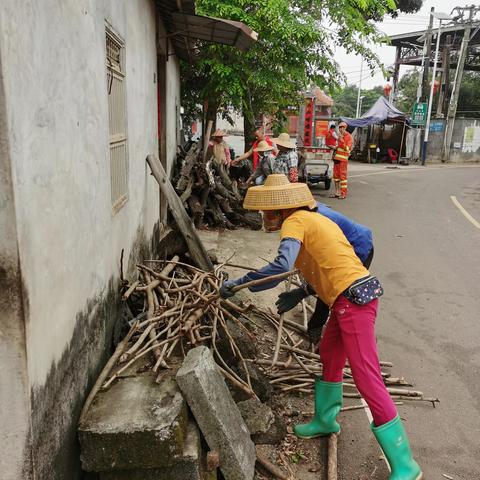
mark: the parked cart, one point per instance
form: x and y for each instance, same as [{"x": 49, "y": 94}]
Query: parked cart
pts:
[{"x": 318, "y": 167}]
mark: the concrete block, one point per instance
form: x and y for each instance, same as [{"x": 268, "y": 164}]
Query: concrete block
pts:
[
  {"x": 258, "y": 416},
  {"x": 135, "y": 424},
  {"x": 187, "y": 466},
  {"x": 263, "y": 424},
  {"x": 217, "y": 414}
]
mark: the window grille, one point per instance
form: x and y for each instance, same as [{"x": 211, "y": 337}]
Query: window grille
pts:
[{"x": 117, "y": 120}]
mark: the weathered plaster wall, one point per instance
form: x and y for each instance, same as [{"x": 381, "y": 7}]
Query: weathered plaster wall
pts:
[
  {"x": 69, "y": 241},
  {"x": 15, "y": 460}
]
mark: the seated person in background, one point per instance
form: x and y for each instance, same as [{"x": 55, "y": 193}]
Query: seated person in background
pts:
[
  {"x": 287, "y": 159},
  {"x": 266, "y": 163}
]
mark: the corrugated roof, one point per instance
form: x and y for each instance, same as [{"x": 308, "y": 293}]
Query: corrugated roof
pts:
[{"x": 185, "y": 28}]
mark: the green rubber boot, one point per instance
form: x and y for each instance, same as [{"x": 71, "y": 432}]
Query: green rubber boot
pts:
[
  {"x": 394, "y": 442},
  {"x": 328, "y": 402}
]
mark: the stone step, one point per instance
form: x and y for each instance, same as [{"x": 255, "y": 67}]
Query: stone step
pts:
[
  {"x": 190, "y": 465},
  {"x": 136, "y": 424}
]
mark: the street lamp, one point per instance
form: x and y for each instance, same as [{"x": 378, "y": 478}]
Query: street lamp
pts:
[{"x": 439, "y": 16}]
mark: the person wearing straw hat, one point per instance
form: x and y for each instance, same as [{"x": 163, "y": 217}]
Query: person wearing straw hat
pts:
[
  {"x": 266, "y": 163},
  {"x": 340, "y": 161},
  {"x": 287, "y": 158},
  {"x": 253, "y": 152},
  {"x": 218, "y": 148},
  {"x": 361, "y": 239},
  {"x": 316, "y": 246}
]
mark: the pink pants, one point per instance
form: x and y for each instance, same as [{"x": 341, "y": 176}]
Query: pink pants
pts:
[{"x": 350, "y": 333}]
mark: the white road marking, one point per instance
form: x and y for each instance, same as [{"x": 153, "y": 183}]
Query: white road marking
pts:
[
  {"x": 465, "y": 213},
  {"x": 410, "y": 169}
]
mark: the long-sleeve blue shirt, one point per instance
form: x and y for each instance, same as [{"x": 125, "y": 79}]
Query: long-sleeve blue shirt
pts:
[{"x": 359, "y": 236}]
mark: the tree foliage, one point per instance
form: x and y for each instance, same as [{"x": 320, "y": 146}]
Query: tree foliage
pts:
[
  {"x": 346, "y": 100},
  {"x": 468, "y": 101},
  {"x": 407, "y": 91},
  {"x": 296, "y": 47}
]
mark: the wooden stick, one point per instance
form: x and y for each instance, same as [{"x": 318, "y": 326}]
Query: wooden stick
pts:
[
  {"x": 106, "y": 371},
  {"x": 332, "y": 457},
  {"x": 184, "y": 223},
  {"x": 280, "y": 329},
  {"x": 304, "y": 313},
  {"x": 346, "y": 409},
  {"x": 261, "y": 281},
  {"x": 151, "y": 305},
  {"x": 273, "y": 469},
  {"x": 134, "y": 359},
  {"x": 130, "y": 290}
]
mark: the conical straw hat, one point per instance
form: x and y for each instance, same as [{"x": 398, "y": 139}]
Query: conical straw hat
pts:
[
  {"x": 263, "y": 146},
  {"x": 219, "y": 133},
  {"x": 277, "y": 194},
  {"x": 284, "y": 141}
]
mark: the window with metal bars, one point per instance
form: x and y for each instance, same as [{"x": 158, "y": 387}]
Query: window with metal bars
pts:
[{"x": 117, "y": 119}]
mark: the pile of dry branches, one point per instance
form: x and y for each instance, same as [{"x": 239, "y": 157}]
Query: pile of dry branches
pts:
[
  {"x": 211, "y": 197},
  {"x": 298, "y": 366},
  {"x": 178, "y": 307}
]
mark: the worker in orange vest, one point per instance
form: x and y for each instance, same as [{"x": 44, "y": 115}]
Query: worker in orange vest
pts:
[{"x": 340, "y": 161}]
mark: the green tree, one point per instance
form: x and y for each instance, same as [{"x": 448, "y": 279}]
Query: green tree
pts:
[
  {"x": 407, "y": 91},
  {"x": 346, "y": 100},
  {"x": 469, "y": 99},
  {"x": 296, "y": 47}
]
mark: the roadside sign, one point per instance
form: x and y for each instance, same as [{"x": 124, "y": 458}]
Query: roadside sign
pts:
[
  {"x": 419, "y": 116},
  {"x": 437, "y": 126}
]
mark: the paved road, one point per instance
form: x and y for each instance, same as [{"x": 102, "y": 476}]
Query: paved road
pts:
[{"x": 427, "y": 255}]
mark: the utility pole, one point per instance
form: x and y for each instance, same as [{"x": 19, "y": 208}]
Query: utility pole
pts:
[
  {"x": 441, "y": 80},
  {"x": 359, "y": 90},
  {"x": 446, "y": 75},
  {"x": 440, "y": 16},
  {"x": 457, "y": 83},
  {"x": 428, "y": 52},
  {"x": 396, "y": 73}
]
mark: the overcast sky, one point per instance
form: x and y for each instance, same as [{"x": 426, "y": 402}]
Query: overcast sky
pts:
[{"x": 402, "y": 24}]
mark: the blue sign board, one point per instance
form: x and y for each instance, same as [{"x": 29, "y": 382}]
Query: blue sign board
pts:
[{"x": 437, "y": 126}]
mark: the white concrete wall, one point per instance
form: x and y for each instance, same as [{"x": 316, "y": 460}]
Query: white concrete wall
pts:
[
  {"x": 14, "y": 388},
  {"x": 69, "y": 241}
]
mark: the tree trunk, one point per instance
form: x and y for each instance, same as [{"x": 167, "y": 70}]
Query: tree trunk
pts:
[{"x": 248, "y": 129}]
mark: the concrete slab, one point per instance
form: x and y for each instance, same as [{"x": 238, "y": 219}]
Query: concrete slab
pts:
[
  {"x": 136, "y": 424},
  {"x": 187, "y": 466},
  {"x": 217, "y": 414}
]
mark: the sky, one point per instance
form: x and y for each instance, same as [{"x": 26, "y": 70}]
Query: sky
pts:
[{"x": 402, "y": 24}]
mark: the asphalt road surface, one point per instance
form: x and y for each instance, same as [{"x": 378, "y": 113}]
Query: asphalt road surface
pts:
[{"x": 427, "y": 256}]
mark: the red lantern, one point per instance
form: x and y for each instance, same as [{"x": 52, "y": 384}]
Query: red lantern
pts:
[
  {"x": 387, "y": 89},
  {"x": 436, "y": 86}
]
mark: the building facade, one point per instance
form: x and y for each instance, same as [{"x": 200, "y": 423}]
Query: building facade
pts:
[{"x": 83, "y": 84}]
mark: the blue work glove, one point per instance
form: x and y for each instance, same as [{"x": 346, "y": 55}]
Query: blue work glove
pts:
[
  {"x": 287, "y": 300},
  {"x": 226, "y": 289}
]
